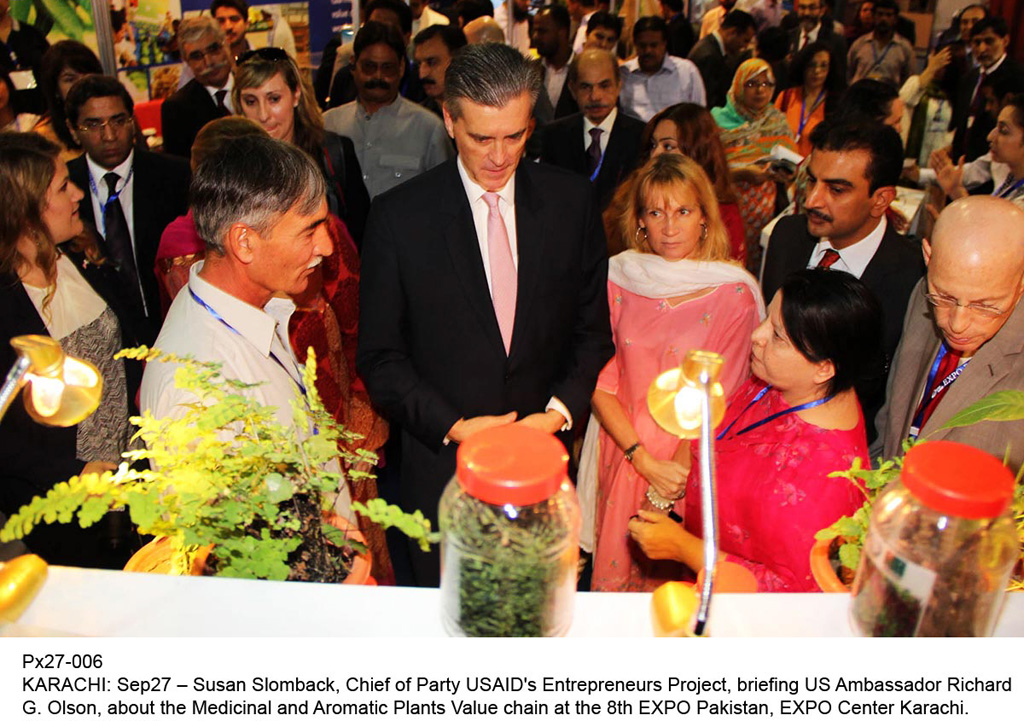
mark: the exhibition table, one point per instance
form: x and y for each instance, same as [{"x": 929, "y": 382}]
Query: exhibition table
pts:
[{"x": 83, "y": 602}]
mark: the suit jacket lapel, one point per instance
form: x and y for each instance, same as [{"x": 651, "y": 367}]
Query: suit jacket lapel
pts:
[
  {"x": 78, "y": 170},
  {"x": 459, "y": 232},
  {"x": 530, "y": 234}
]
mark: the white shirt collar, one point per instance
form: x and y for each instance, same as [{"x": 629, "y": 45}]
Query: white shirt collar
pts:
[
  {"x": 995, "y": 66},
  {"x": 97, "y": 172},
  {"x": 854, "y": 258},
  {"x": 256, "y": 325},
  {"x": 606, "y": 124},
  {"x": 475, "y": 191},
  {"x": 229, "y": 86}
]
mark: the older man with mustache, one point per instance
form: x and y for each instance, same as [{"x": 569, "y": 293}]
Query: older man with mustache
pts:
[
  {"x": 208, "y": 95},
  {"x": 395, "y": 138},
  {"x": 599, "y": 142},
  {"x": 852, "y": 173}
]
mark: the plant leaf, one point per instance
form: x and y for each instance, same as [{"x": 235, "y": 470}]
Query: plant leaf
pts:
[
  {"x": 849, "y": 555},
  {"x": 999, "y": 406}
]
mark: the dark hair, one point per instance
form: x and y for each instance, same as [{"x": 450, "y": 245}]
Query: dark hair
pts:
[
  {"x": 374, "y": 32},
  {"x": 252, "y": 180},
  {"x": 1016, "y": 101},
  {"x": 886, "y": 5},
  {"x": 830, "y": 315},
  {"x": 867, "y": 99},
  {"x": 451, "y": 35},
  {"x": 833, "y": 81},
  {"x": 738, "y": 20},
  {"x": 491, "y": 74},
  {"x": 96, "y": 86},
  {"x": 117, "y": 19},
  {"x": 602, "y": 19},
  {"x": 559, "y": 14},
  {"x": 992, "y": 22},
  {"x": 398, "y": 7},
  {"x": 881, "y": 142},
  {"x": 699, "y": 138},
  {"x": 469, "y": 10},
  {"x": 61, "y": 56},
  {"x": 240, "y": 5},
  {"x": 773, "y": 44},
  {"x": 675, "y": 6},
  {"x": 650, "y": 23}
]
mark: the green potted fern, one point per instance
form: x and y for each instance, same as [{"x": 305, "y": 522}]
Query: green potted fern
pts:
[
  {"x": 230, "y": 491},
  {"x": 836, "y": 552}
]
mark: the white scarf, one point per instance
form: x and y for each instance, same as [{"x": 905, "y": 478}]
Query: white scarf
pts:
[{"x": 651, "y": 276}]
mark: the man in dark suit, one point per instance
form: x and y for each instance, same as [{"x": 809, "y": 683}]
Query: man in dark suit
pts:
[
  {"x": 852, "y": 173},
  {"x": 599, "y": 142},
  {"x": 718, "y": 54},
  {"x": 132, "y": 194},
  {"x": 208, "y": 95},
  {"x": 483, "y": 297},
  {"x": 550, "y": 36},
  {"x": 990, "y": 39},
  {"x": 680, "y": 32},
  {"x": 816, "y": 24}
]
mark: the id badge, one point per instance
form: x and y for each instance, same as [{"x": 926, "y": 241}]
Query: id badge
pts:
[{"x": 23, "y": 79}]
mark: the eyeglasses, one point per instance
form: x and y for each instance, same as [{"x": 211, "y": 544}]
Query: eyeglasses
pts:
[
  {"x": 947, "y": 303},
  {"x": 211, "y": 50},
  {"x": 755, "y": 85},
  {"x": 116, "y": 123},
  {"x": 270, "y": 54}
]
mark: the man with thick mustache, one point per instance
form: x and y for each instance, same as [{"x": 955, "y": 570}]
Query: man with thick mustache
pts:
[
  {"x": 208, "y": 95},
  {"x": 433, "y": 48},
  {"x": 395, "y": 138},
  {"x": 599, "y": 142},
  {"x": 852, "y": 174}
]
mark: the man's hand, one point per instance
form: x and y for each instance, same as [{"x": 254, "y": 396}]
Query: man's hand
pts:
[
  {"x": 465, "y": 427},
  {"x": 549, "y": 421},
  {"x": 659, "y": 536}
]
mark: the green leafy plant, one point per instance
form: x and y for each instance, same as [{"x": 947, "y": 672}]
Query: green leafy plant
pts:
[
  {"x": 226, "y": 473},
  {"x": 999, "y": 406}
]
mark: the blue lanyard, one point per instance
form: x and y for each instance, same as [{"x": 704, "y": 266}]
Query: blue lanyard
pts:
[
  {"x": 931, "y": 390},
  {"x": 593, "y": 176},
  {"x": 804, "y": 119},
  {"x": 773, "y": 416},
  {"x": 230, "y": 327},
  {"x": 885, "y": 52},
  {"x": 1009, "y": 192},
  {"x": 111, "y": 199}
]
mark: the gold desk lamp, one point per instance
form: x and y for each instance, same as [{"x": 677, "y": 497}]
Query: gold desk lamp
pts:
[
  {"x": 689, "y": 402},
  {"x": 62, "y": 390}
]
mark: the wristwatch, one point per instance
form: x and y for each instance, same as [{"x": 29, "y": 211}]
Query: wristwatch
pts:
[{"x": 631, "y": 450}]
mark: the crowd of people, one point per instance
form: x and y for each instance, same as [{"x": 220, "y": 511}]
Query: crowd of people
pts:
[{"x": 478, "y": 220}]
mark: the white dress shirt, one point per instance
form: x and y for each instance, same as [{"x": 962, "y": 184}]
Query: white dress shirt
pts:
[
  {"x": 676, "y": 81},
  {"x": 246, "y": 343},
  {"x": 229, "y": 86},
  {"x": 554, "y": 80},
  {"x": 855, "y": 258},
  {"x": 581, "y": 33},
  {"x": 605, "y": 126}
]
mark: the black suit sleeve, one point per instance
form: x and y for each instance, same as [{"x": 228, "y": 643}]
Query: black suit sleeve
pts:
[
  {"x": 592, "y": 345},
  {"x": 175, "y": 125},
  {"x": 357, "y": 197},
  {"x": 383, "y": 358},
  {"x": 777, "y": 262}
]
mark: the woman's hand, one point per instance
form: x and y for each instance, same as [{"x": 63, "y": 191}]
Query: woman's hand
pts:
[
  {"x": 658, "y": 536},
  {"x": 936, "y": 62},
  {"x": 950, "y": 175},
  {"x": 667, "y": 478}
]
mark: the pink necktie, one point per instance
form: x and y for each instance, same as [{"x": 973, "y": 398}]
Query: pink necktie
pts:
[{"x": 503, "y": 270}]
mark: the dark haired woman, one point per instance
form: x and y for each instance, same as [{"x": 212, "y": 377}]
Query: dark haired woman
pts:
[
  {"x": 815, "y": 85},
  {"x": 62, "y": 66},
  {"x": 786, "y": 429}
]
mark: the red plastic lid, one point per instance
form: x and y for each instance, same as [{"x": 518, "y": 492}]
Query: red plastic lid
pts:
[
  {"x": 957, "y": 479},
  {"x": 511, "y": 464}
]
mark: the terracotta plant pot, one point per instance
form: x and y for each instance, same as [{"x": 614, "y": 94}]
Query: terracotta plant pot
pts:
[
  {"x": 821, "y": 568},
  {"x": 155, "y": 556}
]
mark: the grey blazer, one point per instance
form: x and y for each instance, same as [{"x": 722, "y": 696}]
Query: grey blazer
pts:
[{"x": 997, "y": 366}]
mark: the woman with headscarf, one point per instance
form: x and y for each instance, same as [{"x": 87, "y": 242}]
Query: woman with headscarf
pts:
[{"x": 751, "y": 127}]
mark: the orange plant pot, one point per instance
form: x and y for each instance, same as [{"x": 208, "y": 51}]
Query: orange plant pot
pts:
[
  {"x": 155, "y": 556},
  {"x": 821, "y": 569}
]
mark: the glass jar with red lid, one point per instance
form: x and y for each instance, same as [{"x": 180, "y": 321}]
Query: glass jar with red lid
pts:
[
  {"x": 940, "y": 547},
  {"x": 510, "y": 525}
]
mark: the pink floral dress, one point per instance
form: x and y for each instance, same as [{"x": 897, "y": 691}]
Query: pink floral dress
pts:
[
  {"x": 774, "y": 492},
  {"x": 652, "y": 336}
]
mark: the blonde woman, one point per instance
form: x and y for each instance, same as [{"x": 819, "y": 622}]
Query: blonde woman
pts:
[{"x": 672, "y": 291}]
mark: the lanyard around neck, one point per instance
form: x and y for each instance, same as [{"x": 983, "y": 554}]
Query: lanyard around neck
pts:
[
  {"x": 111, "y": 199},
  {"x": 932, "y": 389},
  {"x": 230, "y": 327},
  {"x": 773, "y": 416},
  {"x": 803, "y": 109},
  {"x": 1009, "y": 191}
]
